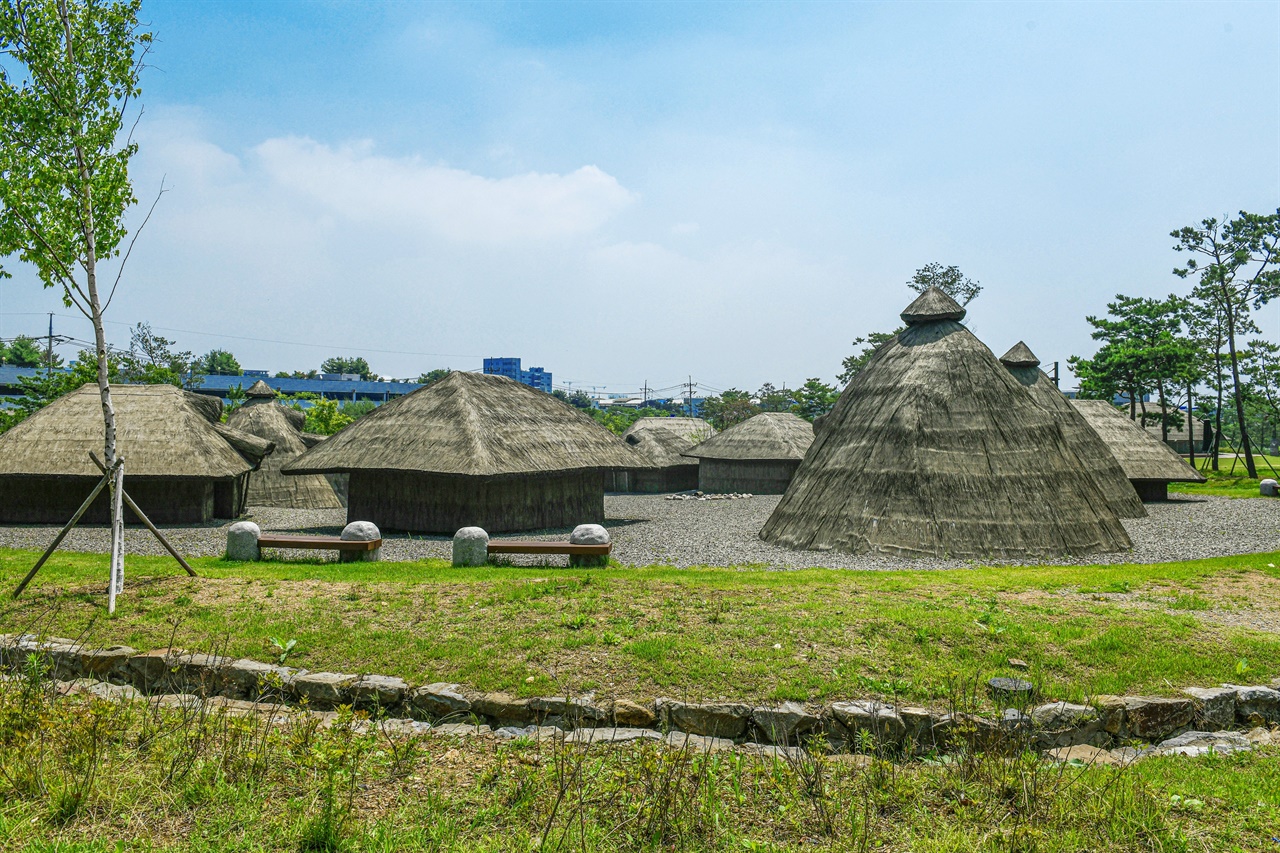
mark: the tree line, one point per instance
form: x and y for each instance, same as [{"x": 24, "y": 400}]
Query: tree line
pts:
[{"x": 1199, "y": 350}]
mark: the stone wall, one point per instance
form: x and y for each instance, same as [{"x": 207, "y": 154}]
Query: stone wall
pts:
[{"x": 1117, "y": 727}]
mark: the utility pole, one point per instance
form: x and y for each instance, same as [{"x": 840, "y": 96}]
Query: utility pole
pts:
[
  {"x": 1055, "y": 374},
  {"x": 49, "y": 353},
  {"x": 645, "y": 394},
  {"x": 688, "y": 398}
]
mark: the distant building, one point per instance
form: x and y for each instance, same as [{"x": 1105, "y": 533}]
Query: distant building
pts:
[{"x": 534, "y": 377}]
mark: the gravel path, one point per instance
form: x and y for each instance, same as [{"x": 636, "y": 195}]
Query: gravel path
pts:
[{"x": 648, "y": 529}]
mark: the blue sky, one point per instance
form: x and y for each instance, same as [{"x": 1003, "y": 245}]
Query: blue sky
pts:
[{"x": 630, "y": 192}]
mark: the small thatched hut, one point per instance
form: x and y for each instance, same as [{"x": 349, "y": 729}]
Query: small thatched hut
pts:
[
  {"x": 935, "y": 450},
  {"x": 661, "y": 442},
  {"x": 1023, "y": 365},
  {"x": 472, "y": 449},
  {"x": 758, "y": 456},
  {"x": 1149, "y": 463},
  {"x": 263, "y": 416},
  {"x": 182, "y": 464}
]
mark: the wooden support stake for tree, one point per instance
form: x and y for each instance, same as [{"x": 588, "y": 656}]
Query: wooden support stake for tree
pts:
[
  {"x": 142, "y": 516},
  {"x": 62, "y": 534}
]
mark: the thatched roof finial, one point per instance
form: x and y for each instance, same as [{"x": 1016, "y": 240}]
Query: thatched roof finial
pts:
[
  {"x": 1020, "y": 355},
  {"x": 260, "y": 389},
  {"x": 932, "y": 306}
]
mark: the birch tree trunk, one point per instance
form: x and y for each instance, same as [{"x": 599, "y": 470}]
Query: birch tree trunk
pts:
[{"x": 115, "y": 465}]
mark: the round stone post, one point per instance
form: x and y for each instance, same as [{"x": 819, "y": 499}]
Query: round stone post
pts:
[
  {"x": 361, "y": 531},
  {"x": 242, "y": 542},
  {"x": 470, "y": 547},
  {"x": 589, "y": 534},
  {"x": 1268, "y": 487}
]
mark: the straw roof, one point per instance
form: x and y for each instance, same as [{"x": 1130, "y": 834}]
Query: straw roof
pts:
[
  {"x": 1142, "y": 456},
  {"x": 162, "y": 431},
  {"x": 261, "y": 390},
  {"x": 471, "y": 424},
  {"x": 661, "y": 441},
  {"x": 1107, "y": 474},
  {"x": 268, "y": 486},
  {"x": 934, "y": 449},
  {"x": 770, "y": 436}
]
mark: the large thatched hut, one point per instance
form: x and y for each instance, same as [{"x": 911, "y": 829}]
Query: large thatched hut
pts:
[
  {"x": 1149, "y": 463},
  {"x": 758, "y": 456},
  {"x": 1107, "y": 474},
  {"x": 661, "y": 443},
  {"x": 182, "y": 464},
  {"x": 263, "y": 416},
  {"x": 935, "y": 450},
  {"x": 472, "y": 449}
]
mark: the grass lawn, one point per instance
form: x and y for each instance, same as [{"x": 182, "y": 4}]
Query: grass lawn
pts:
[
  {"x": 744, "y": 633},
  {"x": 78, "y": 776},
  {"x": 1233, "y": 483}
]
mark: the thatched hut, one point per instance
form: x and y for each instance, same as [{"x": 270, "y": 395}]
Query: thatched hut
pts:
[
  {"x": 472, "y": 449},
  {"x": 758, "y": 456},
  {"x": 182, "y": 464},
  {"x": 1096, "y": 457},
  {"x": 263, "y": 416},
  {"x": 660, "y": 442},
  {"x": 1149, "y": 463},
  {"x": 935, "y": 450}
]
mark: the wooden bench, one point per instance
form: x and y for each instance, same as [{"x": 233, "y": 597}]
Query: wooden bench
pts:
[
  {"x": 539, "y": 546},
  {"x": 318, "y": 543}
]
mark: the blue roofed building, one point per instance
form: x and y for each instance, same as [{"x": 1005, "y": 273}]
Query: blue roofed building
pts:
[{"x": 534, "y": 377}]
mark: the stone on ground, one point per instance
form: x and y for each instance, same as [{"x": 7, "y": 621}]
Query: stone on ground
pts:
[
  {"x": 470, "y": 547},
  {"x": 242, "y": 542},
  {"x": 361, "y": 531}
]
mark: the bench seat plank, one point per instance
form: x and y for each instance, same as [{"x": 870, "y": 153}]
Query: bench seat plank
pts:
[
  {"x": 539, "y": 546},
  {"x": 318, "y": 543}
]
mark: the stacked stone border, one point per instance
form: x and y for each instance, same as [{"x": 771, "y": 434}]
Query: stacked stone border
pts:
[{"x": 1111, "y": 729}]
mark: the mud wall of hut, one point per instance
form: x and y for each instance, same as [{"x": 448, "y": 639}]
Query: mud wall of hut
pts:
[
  {"x": 676, "y": 478},
  {"x": 53, "y": 500},
  {"x": 757, "y": 477},
  {"x": 430, "y": 503}
]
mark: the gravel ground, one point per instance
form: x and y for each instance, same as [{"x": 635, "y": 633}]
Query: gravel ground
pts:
[{"x": 648, "y": 529}]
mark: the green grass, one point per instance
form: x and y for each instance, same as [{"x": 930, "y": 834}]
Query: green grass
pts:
[
  {"x": 698, "y": 633},
  {"x": 1228, "y": 481},
  {"x": 83, "y": 776}
]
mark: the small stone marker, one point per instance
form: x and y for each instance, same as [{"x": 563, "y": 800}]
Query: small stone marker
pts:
[
  {"x": 1270, "y": 488},
  {"x": 1011, "y": 690},
  {"x": 360, "y": 531},
  {"x": 470, "y": 547},
  {"x": 242, "y": 541},
  {"x": 589, "y": 534},
  {"x": 1018, "y": 663}
]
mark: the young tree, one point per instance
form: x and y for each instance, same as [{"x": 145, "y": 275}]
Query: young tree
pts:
[
  {"x": 434, "y": 376},
  {"x": 24, "y": 352},
  {"x": 853, "y": 365},
  {"x": 814, "y": 398},
  {"x": 153, "y": 361},
  {"x": 339, "y": 364},
  {"x": 774, "y": 399},
  {"x": 1238, "y": 272},
  {"x": 71, "y": 71},
  {"x": 218, "y": 362},
  {"x": 947, "y": 279},
  {"x": 731, "y": 407}
]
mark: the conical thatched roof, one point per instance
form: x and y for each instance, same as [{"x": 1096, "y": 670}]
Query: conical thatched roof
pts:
[
  {"x": 162, "y": 431},
  {"x": 471, "y": 424},
  {"x": 1142, "y": 456},
  {"x": 661, "y": 441},
  {"x": 931, "y": 306},
  {"x": 934, "y": 449},
  {"x": 267, "y": 486},
  {"x": 1091, "y": 450},
  {"x": 770, "y": 435},
  {"x": 260, "y": 390}
]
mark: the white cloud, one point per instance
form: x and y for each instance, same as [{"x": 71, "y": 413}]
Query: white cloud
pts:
[{"x": 353, "y": 182}]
